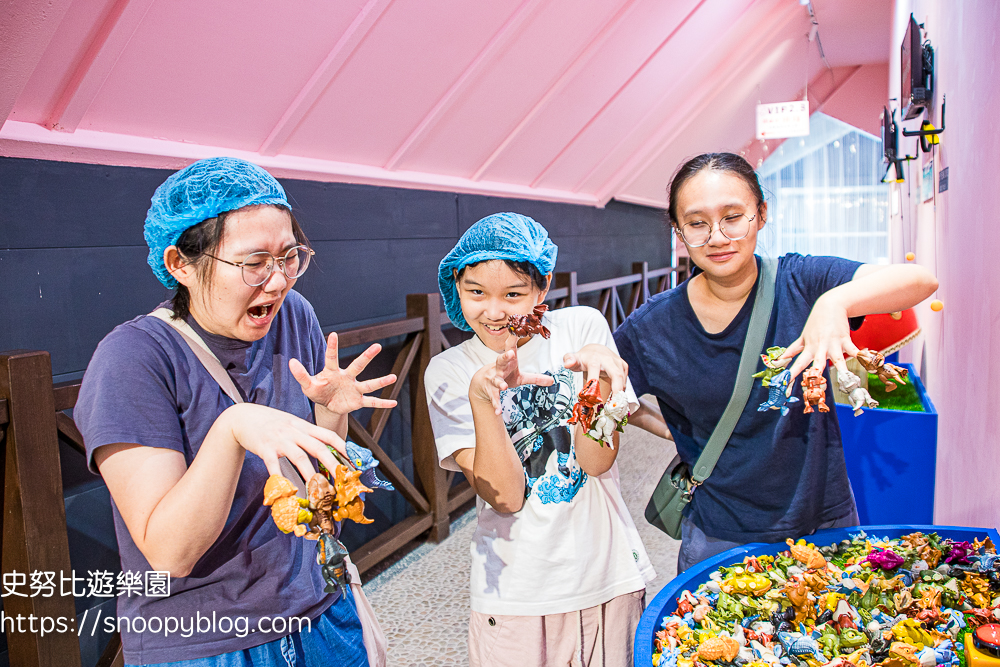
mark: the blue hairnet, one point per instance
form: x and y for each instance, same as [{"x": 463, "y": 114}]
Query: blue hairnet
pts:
[
  {"x": 499, "y": 236},
  {"x": 200, "y": 191}
]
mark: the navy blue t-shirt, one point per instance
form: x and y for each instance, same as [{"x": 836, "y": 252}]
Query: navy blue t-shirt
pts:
[
  {"x": 779, "y": 476},
  {"x": 144, "y": 385}
]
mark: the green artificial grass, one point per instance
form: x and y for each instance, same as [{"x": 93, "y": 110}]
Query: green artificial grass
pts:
[{"x": 903, "y": 397}]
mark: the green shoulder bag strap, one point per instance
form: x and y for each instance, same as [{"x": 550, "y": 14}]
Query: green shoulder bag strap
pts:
[{"x": 675, "y": 488}]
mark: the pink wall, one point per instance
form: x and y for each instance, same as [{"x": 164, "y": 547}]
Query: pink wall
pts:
[{"x": 955, "y": 234}]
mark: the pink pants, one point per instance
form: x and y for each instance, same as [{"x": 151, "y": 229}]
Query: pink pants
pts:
[{"x": 600, "y": 636}]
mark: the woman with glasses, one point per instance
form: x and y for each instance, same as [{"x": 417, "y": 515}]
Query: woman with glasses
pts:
[
  {"x": 186, "y": 465},
  {"x": 779, "y": 476}
]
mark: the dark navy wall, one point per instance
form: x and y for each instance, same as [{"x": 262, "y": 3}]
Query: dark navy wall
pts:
[{"x": 73, "y": 259}]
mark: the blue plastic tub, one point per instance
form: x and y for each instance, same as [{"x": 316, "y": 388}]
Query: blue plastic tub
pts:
[
  {"x": 665, "y": 601},
  {"x": 891, "y": 457}
]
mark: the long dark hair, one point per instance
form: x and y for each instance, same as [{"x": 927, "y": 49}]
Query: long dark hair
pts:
[
  {"x": 197, "y": 242},
  {"x": 729, "y": 162}
]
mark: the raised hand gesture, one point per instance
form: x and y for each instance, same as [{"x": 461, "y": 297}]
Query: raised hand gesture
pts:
[
  {"x": 598, "y": 362},
  {"x": 826, "y": 335},
  {"x": 338, "y": 390},
  {"x": 490, "y": 380}
]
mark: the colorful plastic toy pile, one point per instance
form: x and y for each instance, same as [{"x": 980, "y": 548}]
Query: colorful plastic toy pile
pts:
[{"x": 905, "y": 602}]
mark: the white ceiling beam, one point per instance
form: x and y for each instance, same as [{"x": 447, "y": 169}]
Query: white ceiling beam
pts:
[
  {"x": 727, "y": 72},
  {"x": 641, "y": 201},
  {"x": 324, "y": 74},
  {"x": 652, "y": 56},
  {"x": 28, "y": 27},
  {"x": 493, "y": 50},
  {"x": 573, "y": 67},
  {"x": 117, "y": 27}
]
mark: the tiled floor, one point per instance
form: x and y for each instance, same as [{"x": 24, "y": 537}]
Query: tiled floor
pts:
[{"x": 422, "y": 601}]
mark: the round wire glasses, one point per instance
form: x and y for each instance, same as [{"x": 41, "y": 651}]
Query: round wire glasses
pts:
[
  {"x": 258, "y": 266},
  {"x": 733, "y": 227}
]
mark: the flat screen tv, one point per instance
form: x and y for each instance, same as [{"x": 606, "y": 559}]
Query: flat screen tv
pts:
[
  {"x": 890, "y": 146},
  {"x": 916, "y": 72},
  {"x": 888, "y": 137}
]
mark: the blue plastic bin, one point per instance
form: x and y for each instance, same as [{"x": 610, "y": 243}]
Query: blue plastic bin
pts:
[
  {"x": 665, "y": 601},
  {"x": 891, "y": 457}
]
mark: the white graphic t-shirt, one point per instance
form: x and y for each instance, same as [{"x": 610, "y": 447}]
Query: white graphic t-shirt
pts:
[{"x": 573, "y": 544}]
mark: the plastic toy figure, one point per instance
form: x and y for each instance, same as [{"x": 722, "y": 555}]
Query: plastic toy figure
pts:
[
  {"x": 770, "y": 368},
  {"x": 777, "y": 397},
  {"x": 814, "y": 390},
  {"x": 719, "y": 648},
  {"x": 348, "y": 495},
  {"x": 527, "y": 325},
  {"x": 325, "y": 504},
  {"x": 753, "y": 584},
  {"x": 587, "y": 406},
  {"x": 801, "y": 646},
  {"x": 364, "y": 461},
  {"x": 859, "y": 397},
  {"x": 321, "y": 500},
  {"x": 331, "y": 555},
  {"x": 798, "y": 596},
  {"x": 806, "y": 555},
  {"x": 288, "y": 510},
  {"x": 889, "y": 374}
]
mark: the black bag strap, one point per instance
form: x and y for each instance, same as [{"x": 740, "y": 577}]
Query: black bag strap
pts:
[{"x": 752, "y": 346}]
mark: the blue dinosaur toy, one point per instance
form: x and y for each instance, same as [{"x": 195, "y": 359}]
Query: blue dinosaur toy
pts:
[
  {"x": 364, "y": 461},
  {"x": 798, "y": 644},
  {"x": 776, "y": 397}
]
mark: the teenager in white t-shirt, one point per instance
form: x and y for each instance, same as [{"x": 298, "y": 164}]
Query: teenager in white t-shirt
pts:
[{"x": 558, "y": 569}]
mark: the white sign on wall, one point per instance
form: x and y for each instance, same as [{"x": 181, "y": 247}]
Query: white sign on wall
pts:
[{"x": 784, "y": 119}]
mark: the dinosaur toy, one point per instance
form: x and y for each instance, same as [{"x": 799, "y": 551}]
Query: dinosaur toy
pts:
[
  {"x": 588, "y": 404},
  {"x": 770, "y": 368},
  {"x": 777, "y": 397},
  {"x": 814, "y": 390},
  {"x": 364, "y": 461},
  {"x": 315, "y": 517},
  {"x": 859, "y": 397},
  {"x": 801, "y": 646},
  {"x": 330, "y": 556},
  {"x": 889, "y": 374},
  {"x": 526, "y": 325}
]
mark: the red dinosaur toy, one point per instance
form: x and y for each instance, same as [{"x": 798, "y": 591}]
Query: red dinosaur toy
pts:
[
  {"x": 526, "y": 325},
  {"x": 588, "y": 405},
  {"x": 814, "y": 390}
]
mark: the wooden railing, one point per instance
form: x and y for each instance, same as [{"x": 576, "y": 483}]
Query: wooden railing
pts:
[
  {"x": 32, "y": 419},
  {"x": 567, "y": 292}
]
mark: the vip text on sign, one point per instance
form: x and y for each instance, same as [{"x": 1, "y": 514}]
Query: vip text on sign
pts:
[{"x": 784, "y": 119}]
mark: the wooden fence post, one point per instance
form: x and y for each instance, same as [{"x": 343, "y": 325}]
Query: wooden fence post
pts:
[
  {"x": 568, "y": 280},
  {"x": 640, "y": 292},
  {"x": 432, "y": 476},
  {"x": 34, "y": 522},
  {"x": 683, "y": 269}
]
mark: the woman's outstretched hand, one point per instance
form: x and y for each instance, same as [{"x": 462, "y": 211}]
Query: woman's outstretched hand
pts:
[
  {"x": 339, "y": 390},
  {"x": 271, "y": 433},
  {"x": 597, "y": 361},
  {"x": 491, "y": 379},
  {"x": 826, "y": 335}
]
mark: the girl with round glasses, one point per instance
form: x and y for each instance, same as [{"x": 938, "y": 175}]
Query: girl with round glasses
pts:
[
  {"x": 779, "y": 476},
  {"x": 186, "y": 465}
]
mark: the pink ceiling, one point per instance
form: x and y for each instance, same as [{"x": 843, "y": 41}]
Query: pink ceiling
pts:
[{"x": 566, "y": 100}]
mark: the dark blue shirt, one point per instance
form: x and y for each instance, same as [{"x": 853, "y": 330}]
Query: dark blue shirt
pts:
[
  {"x": 779, "y": 476},
  {"x": 144, "y": 385}
]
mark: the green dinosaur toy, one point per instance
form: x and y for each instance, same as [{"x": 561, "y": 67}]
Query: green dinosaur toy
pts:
[{"x": 770, "y": 368}]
